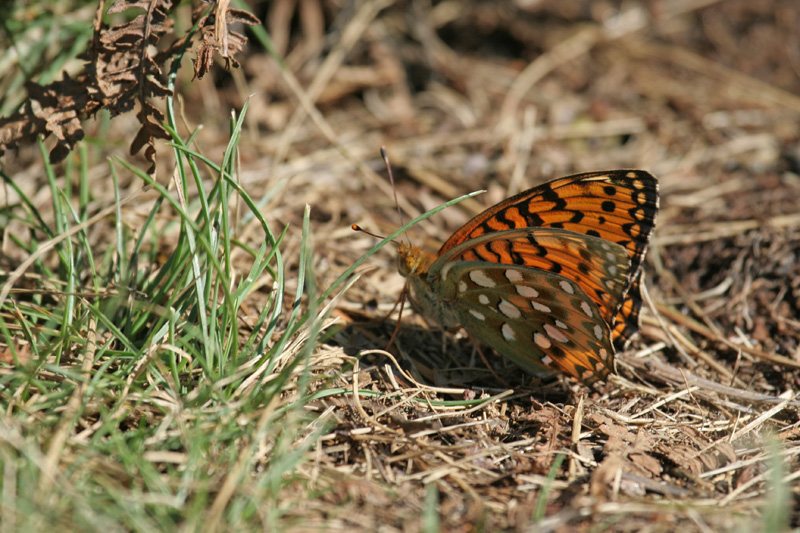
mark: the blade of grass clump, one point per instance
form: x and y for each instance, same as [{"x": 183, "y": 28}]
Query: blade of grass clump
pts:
[
  {"x": 227, "y": 167},
  {"x": 63, "y": 250},
  {"x": 280, "y": 428},
  {"x": 541, "y": 502},
  {"x": 204, "y": 234},
  {"x": 289, "y": 455},
  {"x": 139, "y": 408},
  {"x": 122, "y": 270},
  {"x": 305, "y": 280},
  {"x": 279, "y": 268},
  {"x": 196, "y": 240},
  {"x": 228, "y": 180},
  {"x": 251, "y": 346},
  {"x": 430, "y": 513},
  {"x": 777, "y": 505},
  {"x": 83, "y": 254},
  {"x": 291, "y": 326}
]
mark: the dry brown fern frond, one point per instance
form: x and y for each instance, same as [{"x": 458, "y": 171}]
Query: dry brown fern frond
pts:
[
  {"x": 217, "y": 37},
  {"x": 120, "y": 71}
]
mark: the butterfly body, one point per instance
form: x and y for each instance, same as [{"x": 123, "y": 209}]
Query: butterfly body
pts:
[{"x": 549, "y": 278}]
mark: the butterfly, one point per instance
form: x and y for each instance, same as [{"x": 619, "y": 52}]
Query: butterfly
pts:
[{"x": 549, "y": 278}]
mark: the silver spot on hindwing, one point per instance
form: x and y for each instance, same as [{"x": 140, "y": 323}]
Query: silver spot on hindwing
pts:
[
  {"x": 541, "y": 341},
  {"x": 527, "y": 292},
  {"x": 478, "y": 315},
  {"x": 480, "y": 278},
  {"x": 567, "y": 287},
  {"x": 508, "y": 333},
  {"x": 555, "y": 334},
  {"x": 508, "y": 309}
]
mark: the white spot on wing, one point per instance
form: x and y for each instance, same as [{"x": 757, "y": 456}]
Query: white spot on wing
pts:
[
  {"x": 462, "y": 286},
  {"x": 482, "y": 298},
  {"x": 566, "y": 287},
  {"x": 513, "y": 275},
  {"x": 598, "y": 332},
  {"x": 527, "y": 292},
  {"x": 541, "y": 341},
  {"x": 540, "y": 307},
  {"x": 586, "y": 308},
  {"x": 554, "y": 334},
  {"x": 508, "y": 333},
  {"x": 561, "y": 325},
  {"x": 508, "y": 309},
  {"x": 476, "y": 314},
  {"x": 480, "y": 278}
]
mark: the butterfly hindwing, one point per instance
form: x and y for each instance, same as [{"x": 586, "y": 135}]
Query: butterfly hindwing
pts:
[
  {"x": 626, "y": 322},
  {"x": 535, "y": 317}
]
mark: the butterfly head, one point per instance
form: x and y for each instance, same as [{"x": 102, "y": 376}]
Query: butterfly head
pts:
[{"x": 413, "y": 260}]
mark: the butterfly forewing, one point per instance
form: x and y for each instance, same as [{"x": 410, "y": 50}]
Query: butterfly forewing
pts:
[
  {"x": 619, "y": 206},
  {"x": 536, "y": 319}
]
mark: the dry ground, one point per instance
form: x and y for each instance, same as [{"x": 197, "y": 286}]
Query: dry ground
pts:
[{"x": 700, "y": 429}]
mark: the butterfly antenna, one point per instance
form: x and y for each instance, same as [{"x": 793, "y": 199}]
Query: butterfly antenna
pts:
[{"x": 385, "y": 158}]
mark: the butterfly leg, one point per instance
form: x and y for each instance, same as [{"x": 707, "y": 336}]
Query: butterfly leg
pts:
[{"x": 486, "y": 361}]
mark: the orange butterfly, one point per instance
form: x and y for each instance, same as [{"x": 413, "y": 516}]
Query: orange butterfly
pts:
[{"x": 550, "y": 278}]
